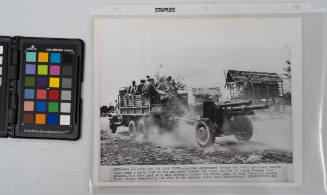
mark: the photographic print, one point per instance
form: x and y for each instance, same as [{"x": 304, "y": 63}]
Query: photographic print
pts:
[{"x": 196, "y": 100}]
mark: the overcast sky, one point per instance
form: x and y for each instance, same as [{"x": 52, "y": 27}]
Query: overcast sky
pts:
[{"x": 199, "y": 50}]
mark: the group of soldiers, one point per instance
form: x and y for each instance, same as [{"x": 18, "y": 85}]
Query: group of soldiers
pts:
[{"x": 150, "y": 88}]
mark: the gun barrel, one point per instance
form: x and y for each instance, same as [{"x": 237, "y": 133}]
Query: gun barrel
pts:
[
  {"x": 252, "y": 107},
  {"x": 235, "y": 103}
]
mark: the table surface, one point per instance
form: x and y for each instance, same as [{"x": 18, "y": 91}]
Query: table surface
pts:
[{"x": 34, "y": 166}]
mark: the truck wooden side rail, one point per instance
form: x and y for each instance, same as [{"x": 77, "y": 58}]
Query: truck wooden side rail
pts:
[{"x": 134, "y": 105}]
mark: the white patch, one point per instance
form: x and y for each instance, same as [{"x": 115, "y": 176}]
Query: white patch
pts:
[{"x": 64, "y": 119}]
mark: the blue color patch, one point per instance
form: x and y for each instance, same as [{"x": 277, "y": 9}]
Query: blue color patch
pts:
[
  {"x": 30, "y": 69},
  {"x": 29, "y": 94},
  {"x": 30, "y": 56},
  {"x": 41, "y": 106},
  {"x": 53, "y": 119},
  {"x": 55, "y": 57}
]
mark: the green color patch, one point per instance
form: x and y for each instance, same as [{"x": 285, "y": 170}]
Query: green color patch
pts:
[
  {"x": 30, "y": 56},
  {"x": 42, "y": 69},
  {"x": 29, "y": 81},
  {"x": 53, "y": 107}
]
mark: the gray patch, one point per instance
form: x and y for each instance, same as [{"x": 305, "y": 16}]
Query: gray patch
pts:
[
  {"x": 67, "y": 70},
  {"x": 66, "y": 83},
  {"x": 65, "y": 107},
  {"x": 66, "y": 95}
]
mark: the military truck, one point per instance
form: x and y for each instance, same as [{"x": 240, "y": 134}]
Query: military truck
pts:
[{"x": 166, "y": 110}]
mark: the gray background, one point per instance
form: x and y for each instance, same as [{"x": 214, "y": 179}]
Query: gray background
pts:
[{"x": 30, "y": 166}]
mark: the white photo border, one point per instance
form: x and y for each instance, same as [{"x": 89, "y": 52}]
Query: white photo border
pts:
[{"x": 136, "y": 11}]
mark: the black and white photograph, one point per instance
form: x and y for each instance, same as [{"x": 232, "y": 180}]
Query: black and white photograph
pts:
[{"x": 197, "y": 99}]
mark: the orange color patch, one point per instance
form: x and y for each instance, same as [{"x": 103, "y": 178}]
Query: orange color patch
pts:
[{"x": 40, "y": 119}]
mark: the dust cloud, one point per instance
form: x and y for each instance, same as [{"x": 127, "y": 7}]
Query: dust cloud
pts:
[
  {"x": 271, "y": 130},
  {"x": 182, "y": 135}
]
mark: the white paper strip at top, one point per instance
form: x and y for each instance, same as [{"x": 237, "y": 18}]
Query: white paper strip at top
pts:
[{"x": 212, "y": 9}]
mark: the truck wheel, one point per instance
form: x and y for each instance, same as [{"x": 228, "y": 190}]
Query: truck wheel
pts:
[
  {"x": 143, "y": 129},
  {"x": 205, "y": 133},
  {"x": 140, "y": 126},
  {"x": 132, "y": 129},
  {"x": 242, "y": 126},
  {"x": 113, "y": 129}
]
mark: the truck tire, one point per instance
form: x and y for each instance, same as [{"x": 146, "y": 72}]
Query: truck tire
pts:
[
  {"x": 141, "y": 126},
  {"x": 112, "y": 127},
  {"x": 205, "y": 133},
  {"x": 242, "y": 126},
  {"x": 132, "y": 129}
]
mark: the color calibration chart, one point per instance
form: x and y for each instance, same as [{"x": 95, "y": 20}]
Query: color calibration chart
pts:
[{"x": 47, "y": 87}]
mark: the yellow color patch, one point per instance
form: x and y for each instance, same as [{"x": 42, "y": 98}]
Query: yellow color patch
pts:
[
  {"x": 54, "y": 82},
  {"x": 43, "y": 57}
]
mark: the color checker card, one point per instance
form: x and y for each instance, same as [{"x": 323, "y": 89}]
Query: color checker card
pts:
[{"x": 48, "y": 88}]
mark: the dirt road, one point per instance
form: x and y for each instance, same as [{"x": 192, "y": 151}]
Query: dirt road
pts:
[{"x": 271, "y": 143}]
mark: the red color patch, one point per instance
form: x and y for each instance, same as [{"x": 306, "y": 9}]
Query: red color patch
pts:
[{"x": 53, "y": 94}]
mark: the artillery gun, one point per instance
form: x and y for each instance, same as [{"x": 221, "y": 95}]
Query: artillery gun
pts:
[
  {"x": 212, "y": 120},
  {"x": 224, "y": 119}
]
